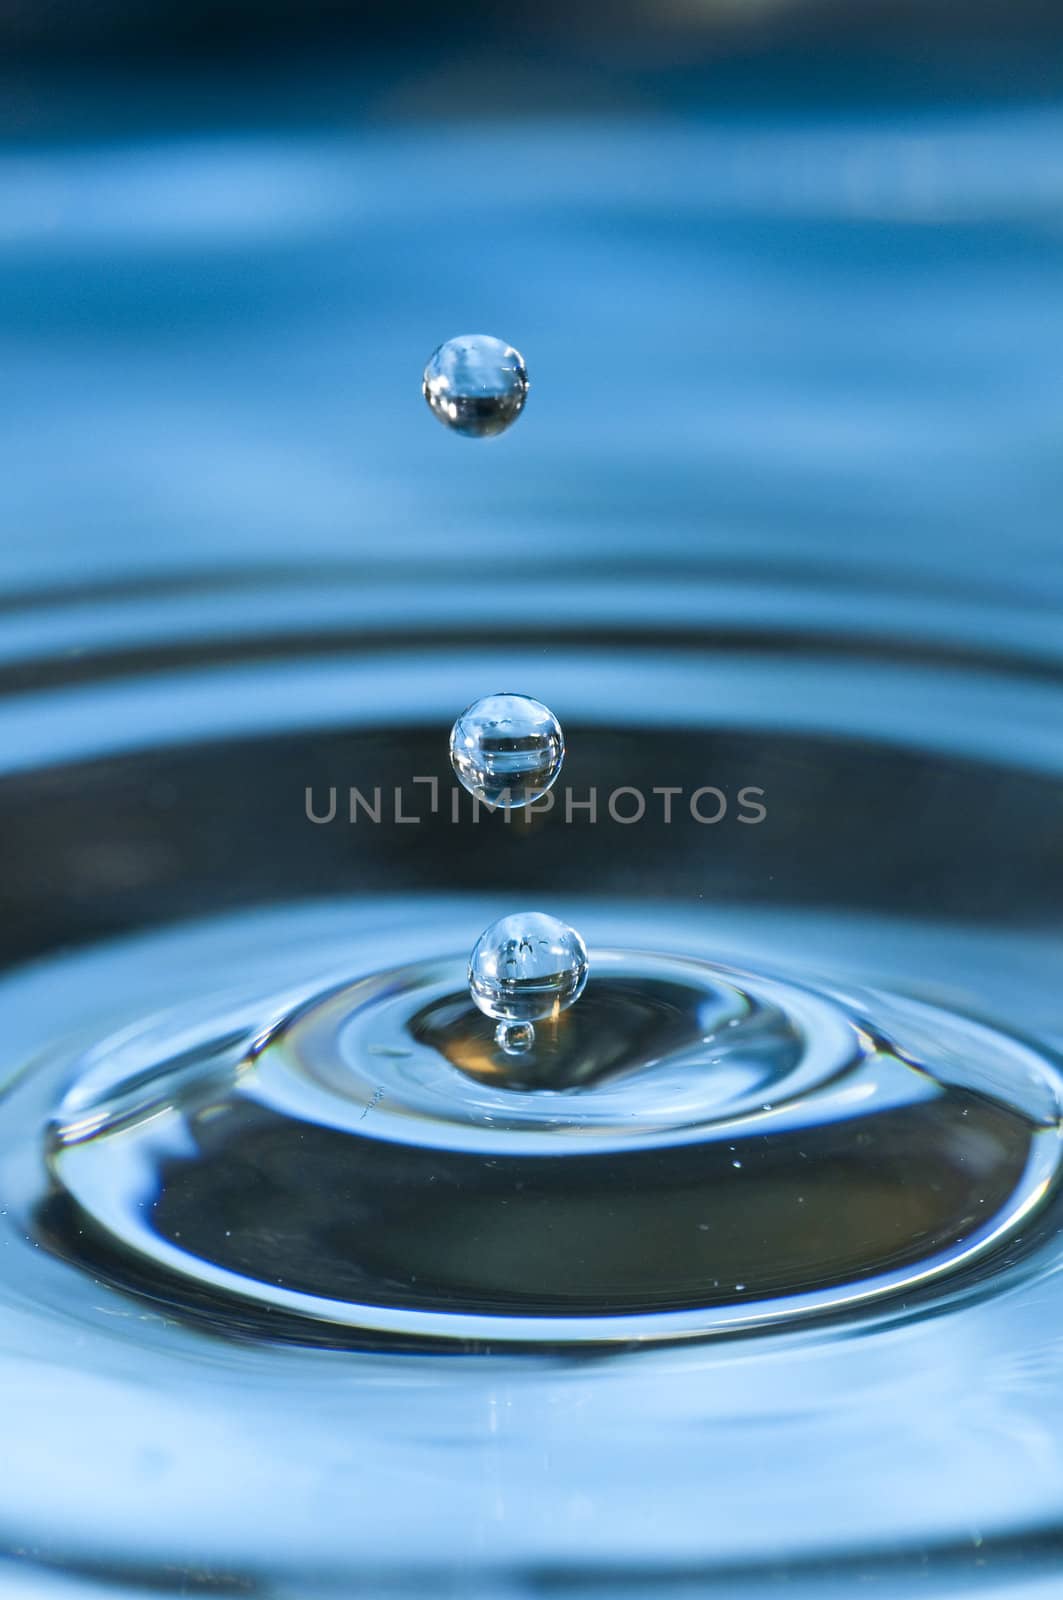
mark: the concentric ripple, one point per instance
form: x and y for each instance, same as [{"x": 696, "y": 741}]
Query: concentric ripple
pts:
[
  {"x": 266, "y": 1182},
  {"x": 691, "y": 1149}
]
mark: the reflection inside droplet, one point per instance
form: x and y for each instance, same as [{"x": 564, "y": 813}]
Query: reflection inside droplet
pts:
[
  {"x": 526, "y": 967},
  {"x": 515, "y": 1038},
  {"x": 507, "y": 749},
  {"x": 476, "y": 384}
]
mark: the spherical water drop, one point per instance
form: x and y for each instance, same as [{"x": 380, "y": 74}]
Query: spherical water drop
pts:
[
  {"x": 526, "y": 967},
  {"x": 476, "y": 384},
  {"x": 507, "y": 749},
  {"x": 515, "y": 1038}
]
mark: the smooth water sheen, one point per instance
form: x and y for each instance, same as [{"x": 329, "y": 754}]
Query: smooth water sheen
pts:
[
  {"x": 790, "y": 1163},
  {"x": 690, "y": 1150}
]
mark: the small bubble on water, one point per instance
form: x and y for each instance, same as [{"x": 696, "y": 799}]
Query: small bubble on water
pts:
[
  {"x": 515, "y": 1038},
  {"x": 526, "y": 967},
  {"x": 507, "y": 749},
  {"x": 476, "y": 384}
]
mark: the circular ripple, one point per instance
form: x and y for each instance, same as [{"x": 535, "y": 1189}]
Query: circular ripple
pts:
[{"x": 690, "y": 1150}]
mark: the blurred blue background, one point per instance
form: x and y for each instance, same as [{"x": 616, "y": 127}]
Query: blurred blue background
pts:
[{"x": 787, "y": 278}]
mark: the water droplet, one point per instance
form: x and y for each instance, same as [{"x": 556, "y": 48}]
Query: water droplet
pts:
[
  {"x": 476, "y": 384},
  {"x": 515, "y": 1038},
  {"x": 526, "y": 967},
  {"x": 507, "y": 749}
]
